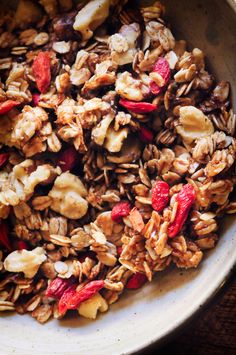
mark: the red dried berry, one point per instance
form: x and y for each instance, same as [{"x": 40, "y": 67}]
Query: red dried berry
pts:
[
  {"x": 58, "y": 286},
  {"x": 42, "y": 71},
  {"x": 71, "y": 299},
  {"x": 119, "y": 251},
  {"x": 160, "y": 195},
  {"x": 3, "y": 158},
  {"x": 163, "y": 69},
  {"x": 138, "y": 107},
  {"x": 4, "y": 239},
  {"x": 120, "y": 210},
  {"x": 145, "y": 135},
  {"x": 68, "y": 159},
  {"x": 6, "y": 106},
  {"x": 154, "y": 88},
  {"x": 35, "y": 99},
  {"x": 65, "y": 299},
  {"x": 185, "y": 198},
  {"x": 136, "y": 281},
  {"x": 21, "y": 245}
]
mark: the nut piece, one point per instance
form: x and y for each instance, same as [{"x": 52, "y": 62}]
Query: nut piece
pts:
[
  {"x": 90, "y": 17},
  {"x": 130, "y": 88},
  {"x": 90, "y": 308},
  {"x": 114, "y": 139},
  {"x": 123, "y": 44},
  {"x": 25, "y": 261},
  {"x": 193, "y": 124},
  {"x": 67, "y": 196},
  {"x": 99, "y": 132}
]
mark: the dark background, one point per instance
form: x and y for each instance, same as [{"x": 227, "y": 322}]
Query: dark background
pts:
[{"x": 213, "y": 331}]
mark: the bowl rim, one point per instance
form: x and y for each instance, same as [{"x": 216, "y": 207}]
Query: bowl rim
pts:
[{"x": 171, "y": 333}]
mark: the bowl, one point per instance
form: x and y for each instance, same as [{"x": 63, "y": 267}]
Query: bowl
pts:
[{"x": 151, "y": 314}]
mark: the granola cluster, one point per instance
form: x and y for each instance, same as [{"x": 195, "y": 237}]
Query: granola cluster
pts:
[{"x": 117, "y": 154}]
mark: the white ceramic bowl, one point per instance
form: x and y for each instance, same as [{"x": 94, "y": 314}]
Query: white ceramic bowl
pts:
[{"x": 147, "y": 316}]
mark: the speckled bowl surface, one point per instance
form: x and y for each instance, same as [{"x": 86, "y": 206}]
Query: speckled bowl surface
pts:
[{"x": 151, "y": 314}]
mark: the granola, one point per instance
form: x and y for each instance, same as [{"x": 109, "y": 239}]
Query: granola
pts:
[{"x": 117, "y": 154}]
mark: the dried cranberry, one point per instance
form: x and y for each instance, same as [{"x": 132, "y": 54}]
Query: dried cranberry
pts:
[
  {"x": 136, "y": 281},
  {"x": 120, "y": 210},
  {"x": 160, "y": 195}
]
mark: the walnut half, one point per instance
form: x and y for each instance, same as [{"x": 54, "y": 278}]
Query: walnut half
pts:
[{"x": 67, "y": 196}]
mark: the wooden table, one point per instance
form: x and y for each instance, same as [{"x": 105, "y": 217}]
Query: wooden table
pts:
[{"x": 212, "y": 332}]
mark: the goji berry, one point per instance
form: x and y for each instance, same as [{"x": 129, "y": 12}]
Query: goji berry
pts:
[
  {"x": 67, "y": 159},
  {"x": 136, "y": 281},
  {"x": 138, "y": 107},
  {"x": 120, "y": 210},
  {"x": 185, "y": 198},
  {"x": 160, "y": 195},
  {"x": 58, "y": 286},
  {"x": 42, "y": 71},
  {"x": 71, "y": 299},
  {"x": 3, "y": 158},
  {"x": 154, "y": 88},
  {"x": 65, "y": 299},
  {"x": 145, "y": 135},
  {"x": 4, "y": 239},
  {"x": 119, "y": 250},
  {"x": 162, "y": 68},
  {"x": 6, "y": 106},
  {"x": 136, "y": 220},
  {"x": 35, "y": 99},
  {"x": 21, "y": 245}
]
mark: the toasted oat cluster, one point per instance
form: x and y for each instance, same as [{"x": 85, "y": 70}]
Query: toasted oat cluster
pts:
[{"x": 117, "y": 154}]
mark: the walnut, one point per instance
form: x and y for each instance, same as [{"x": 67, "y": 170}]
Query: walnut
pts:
[
  {"x": 25, "y": 261},
  {"x": 121, "y": 119},
  {"x": 114, "y": 139},
  {"x": 193, "y": 124},
  {"x": 67, "y": 196},
  {"x": 104, "y": 75},
  {"x": 123, "y": 44},
  {"x": 160, "y": 33},
  {"x": 29, "y": 121},
  {"x": 20, "y": 129},
  {"x": 100, "y": 131},
  {"x": 21, "y": 182},
  {"x": 130, "y": 88}
]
